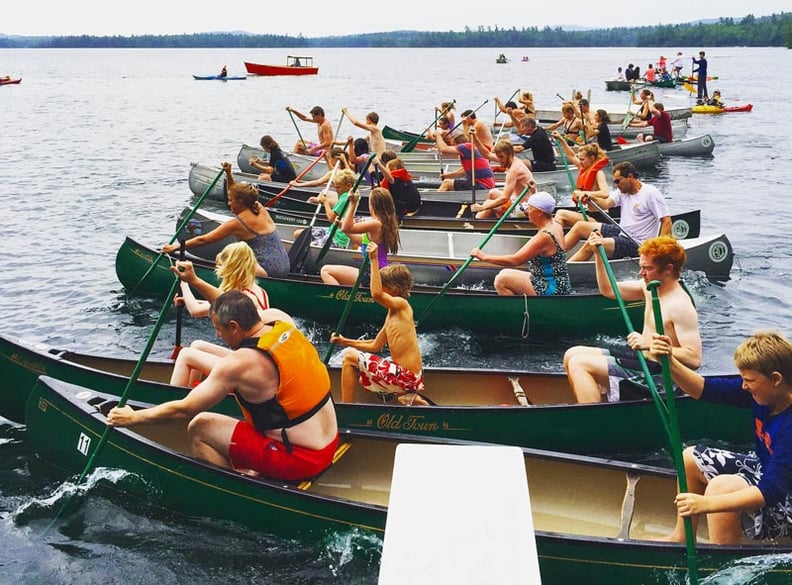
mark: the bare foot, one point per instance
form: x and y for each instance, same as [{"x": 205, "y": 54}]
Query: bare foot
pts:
[{"x": 673, "y": 537}]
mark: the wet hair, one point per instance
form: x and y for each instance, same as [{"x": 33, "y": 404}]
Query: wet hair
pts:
[
  {"x": 626, "y": 168},
  {"x": 381, "y": 205},
  {"x": 469, "y": 114},
  {"x": 665, "y": 250},
  {"x": 510, "y": 104},
  {"x": 373, "y": 117},
  {"x": 604, "y": 117},
  {"x": 268, "y": 142},
  {"x": 235, "y": 266},
  {"x": 317, "y": 111},
  {"x": 398, "y": 278},
  {"x": 236, "y": 306},
  {"x": 765, "y": 352},
  {"x": 247, "y": 195}
]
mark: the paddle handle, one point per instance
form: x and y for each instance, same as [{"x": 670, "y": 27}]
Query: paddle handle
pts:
[{"x": 674, "y": 434}]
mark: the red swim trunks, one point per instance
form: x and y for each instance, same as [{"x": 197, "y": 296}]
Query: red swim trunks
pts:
[
  {"x": 250, "y": 449},
  {"x": 381, "y": 375}
]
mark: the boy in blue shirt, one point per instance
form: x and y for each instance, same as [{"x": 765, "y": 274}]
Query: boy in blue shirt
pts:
[{"x": 750, "y": 494}]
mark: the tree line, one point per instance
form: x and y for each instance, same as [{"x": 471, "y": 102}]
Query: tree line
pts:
[{"x": 766, "y": 31}]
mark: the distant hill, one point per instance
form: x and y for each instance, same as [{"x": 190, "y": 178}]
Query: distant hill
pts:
[{"x": 750, "y": 31}]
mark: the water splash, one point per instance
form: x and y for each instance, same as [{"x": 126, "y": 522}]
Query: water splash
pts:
[{"x": 68, "y": 492}]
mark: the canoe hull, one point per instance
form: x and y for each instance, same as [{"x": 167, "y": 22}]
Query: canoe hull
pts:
[
  {"x": 270, "y": 70},
  {"x": 483, "y": 312},
  {"x": 430, "y": 255},
  {"x": 578, "y": 539},
  {"x": 705, "y": 109},
  {"x": 218, "y": 78},
  {"x": 472, "y": 404}
]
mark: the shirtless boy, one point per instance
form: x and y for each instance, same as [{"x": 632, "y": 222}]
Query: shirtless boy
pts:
[
  {"x": 375, "y": 139},
  {"x": 402, "y": 373}
]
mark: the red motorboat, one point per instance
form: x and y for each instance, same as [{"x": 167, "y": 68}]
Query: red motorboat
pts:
[
  {"x": 8, "y": 81},
  {"x": 294, "y": 66}
]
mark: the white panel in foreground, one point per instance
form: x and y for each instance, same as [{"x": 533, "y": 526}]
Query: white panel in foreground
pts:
[{"x": 459, "y": 514}]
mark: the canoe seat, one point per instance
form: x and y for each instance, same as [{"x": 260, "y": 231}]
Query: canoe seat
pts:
[{"x": 340, "y": 452}]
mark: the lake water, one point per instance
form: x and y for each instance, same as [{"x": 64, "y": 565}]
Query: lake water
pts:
[{"x": 96, "y": 144}]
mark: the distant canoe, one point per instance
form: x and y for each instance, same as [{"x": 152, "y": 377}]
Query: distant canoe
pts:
[
  {"x": 294, "y": 66},
  {"x": 707, "y": 109},
  {"x": 620, "y": 85},
  {"x": 218, "y": 78}
]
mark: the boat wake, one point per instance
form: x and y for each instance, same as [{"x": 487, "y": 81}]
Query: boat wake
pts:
[{"x": 68, "y": 493}]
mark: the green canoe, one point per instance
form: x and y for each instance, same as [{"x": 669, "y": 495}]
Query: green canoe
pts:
[
  {"x": 596, "y": 520},
  {"x": 476, "y": 405},
  {"x": 481, "y": 311}
]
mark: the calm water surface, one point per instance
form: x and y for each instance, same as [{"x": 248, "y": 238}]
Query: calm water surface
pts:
[{"x": 97, "y": 144}]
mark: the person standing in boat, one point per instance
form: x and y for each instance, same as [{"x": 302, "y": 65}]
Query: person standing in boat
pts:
[
  {"x": 544, "y": 256},
  {"x": 381, "y": 227},
  {"x": 278, "y": 168},
  {"x": 594, "y": 373},
  {"x": 252, "y": 224},
  {"x": 536, "y": 140},
  {"x": 324, "y": 130},
  {"x": 700, "y": 69},
  {"x": 644, "y": 215},
  {"x": 741, "y": 494},
  {"x": 289, "y": 431},
  {"x": 402, "y": 373},
  {"x": 461, "y": 179},
  {"x": 660, "y": 123},
  {"x": 677, "y": 65},
  {"x": 518, "y": 177}
]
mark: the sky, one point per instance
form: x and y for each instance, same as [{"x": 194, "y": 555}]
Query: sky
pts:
[{"x": 312, "y": 18}]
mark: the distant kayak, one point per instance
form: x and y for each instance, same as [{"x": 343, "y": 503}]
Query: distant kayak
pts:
[
  {"x": 706, "y": 109},
  {"x": 218, "y": 78}
]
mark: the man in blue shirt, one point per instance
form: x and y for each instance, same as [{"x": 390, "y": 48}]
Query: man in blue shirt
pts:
[
  {"x": 741, "y": 494},
  {"x": 701, "y": 72}
]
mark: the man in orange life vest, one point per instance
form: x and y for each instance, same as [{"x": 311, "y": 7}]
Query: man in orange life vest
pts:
[{"x": 283, "y": 388}]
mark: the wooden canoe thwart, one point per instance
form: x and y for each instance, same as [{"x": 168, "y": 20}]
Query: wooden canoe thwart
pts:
[{"x": 583, "y": 534}]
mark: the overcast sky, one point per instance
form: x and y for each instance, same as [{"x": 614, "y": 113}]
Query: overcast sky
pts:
[{"x": 313, "y": 18}]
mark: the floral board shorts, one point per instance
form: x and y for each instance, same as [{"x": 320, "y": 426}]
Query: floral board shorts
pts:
[
  {"x": 623, "y": 365},
  {"x": 768, "y": 522},
  {"x": 382, "y": 376}
]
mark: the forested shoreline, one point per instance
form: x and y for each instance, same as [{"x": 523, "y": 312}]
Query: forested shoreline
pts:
[{"x": 766, "y": 31}]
